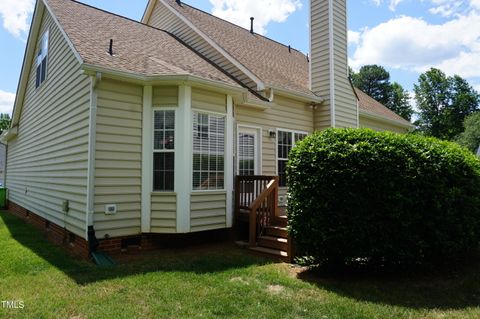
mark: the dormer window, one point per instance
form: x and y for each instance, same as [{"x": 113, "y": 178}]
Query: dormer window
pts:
[{"x": 42, "y": 60}]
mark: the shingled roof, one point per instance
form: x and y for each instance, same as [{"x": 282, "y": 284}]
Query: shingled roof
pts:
[
  {"x": 272, "y": 62},
  {"x": 142, "y": 49},
  {"x": 372, "y": 106},
  {"x": 137, "y": 48},
  {"x": 269, "y": 60}
]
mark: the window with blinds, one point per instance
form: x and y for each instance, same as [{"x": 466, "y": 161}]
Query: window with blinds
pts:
[
  {"x": 164, "y": 150},
  {"x": 285, "y": 142},
  {"x": 208, "y": 151},
  {"x": 246, "y": 154},
  {"x": 42, "y": 60}
]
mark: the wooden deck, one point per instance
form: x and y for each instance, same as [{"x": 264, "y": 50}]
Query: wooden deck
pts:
[{"x": 256, "y": 206}]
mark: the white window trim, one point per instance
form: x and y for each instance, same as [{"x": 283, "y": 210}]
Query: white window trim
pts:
[
  {"x": 47, "y": 32},
  {"x": 259, "y": 147},
  {"x": 152, "y": 144},
  {"x": 225, "y": 116},
  {"x": 276, "y": 146}
]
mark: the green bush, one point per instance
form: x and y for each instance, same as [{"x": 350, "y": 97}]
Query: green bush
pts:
[{"x": 383, "y": 199}]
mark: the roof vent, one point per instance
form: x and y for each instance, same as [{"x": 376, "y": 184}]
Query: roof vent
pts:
[
  {"x": 251, "y": 24},
  {"x": 308, "y": 58},
  {"x": 289, "y": 49},
  {"x": 179, "y": 2},
  {"x": 110, "y": 48}
]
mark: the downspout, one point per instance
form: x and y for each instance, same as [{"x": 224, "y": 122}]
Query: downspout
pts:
[{"x": 92, "y": 133}]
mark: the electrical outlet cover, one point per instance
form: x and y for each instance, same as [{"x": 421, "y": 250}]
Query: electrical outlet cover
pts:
[{"x": 110, "y": 209}]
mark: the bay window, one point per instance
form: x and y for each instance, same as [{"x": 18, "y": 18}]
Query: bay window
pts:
[
  {"x": 164, "y": 150},
  {"x": 208, "y": 151}
]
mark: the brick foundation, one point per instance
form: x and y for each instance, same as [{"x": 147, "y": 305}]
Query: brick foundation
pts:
[
  {"x": 74, "y": 244},
  {"x": 78, "y": 246}
]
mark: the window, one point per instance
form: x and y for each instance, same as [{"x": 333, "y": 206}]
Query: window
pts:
[
  {"x": 42, "y": 60},
  {"x": 208, "y": 151},
  {"x": 163, "y": 150},
  {"x": 285, "y": 142},
  {"x": 246, "y": 154}
]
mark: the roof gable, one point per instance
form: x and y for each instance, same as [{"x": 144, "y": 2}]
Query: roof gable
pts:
[{"x": 277, "y": 65}]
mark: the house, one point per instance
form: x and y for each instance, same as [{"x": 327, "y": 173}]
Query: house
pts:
[
  {"x": 124, "y": 129},
  {"x": 3, "y": 154}
]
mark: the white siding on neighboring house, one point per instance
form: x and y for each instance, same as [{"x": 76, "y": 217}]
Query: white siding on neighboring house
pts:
[
  {"x": 118, "y": 158},
  {"x": 3, "y": 154},
  {"x": 47, "y": 161}
]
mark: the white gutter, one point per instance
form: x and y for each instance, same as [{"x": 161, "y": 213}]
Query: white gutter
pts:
[
  {"x": 92, "y": 135},
  {"x": 7, "y": 135},
  {"x": 298, "y": 95},
  {"x": 385, "y": 120},
  {"x": 91, "y": 69}
]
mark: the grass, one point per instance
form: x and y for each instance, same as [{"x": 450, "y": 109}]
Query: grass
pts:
[{"x": 219, "y": 281}]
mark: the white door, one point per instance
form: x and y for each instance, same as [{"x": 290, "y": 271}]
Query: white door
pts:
[{"x": 248, "y": 150}]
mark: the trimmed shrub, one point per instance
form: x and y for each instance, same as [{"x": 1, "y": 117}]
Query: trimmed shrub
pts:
[{"x": 383, "y": 199}]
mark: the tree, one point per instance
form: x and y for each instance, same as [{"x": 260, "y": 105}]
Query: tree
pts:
[
  {"x": 375, "y": 81},
  {"x": 399, "y": 101},
  {"x": 444, "y": 102},
  {"x": 4, "y": 122},
  {"x": 470, "y": 138}
]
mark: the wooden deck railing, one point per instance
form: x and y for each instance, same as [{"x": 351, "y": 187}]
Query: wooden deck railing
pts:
[{"x": 257, "y": 196}]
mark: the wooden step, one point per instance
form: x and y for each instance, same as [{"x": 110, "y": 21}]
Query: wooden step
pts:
[
  {"x": 276, "y": 231},
  {"x": 283, "y": 255},
  {"x": 273, "y": 242},
  {"x": 280, "y": 221}
]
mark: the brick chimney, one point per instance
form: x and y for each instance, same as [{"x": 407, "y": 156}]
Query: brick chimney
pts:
[{"x": 329, "y": 65}]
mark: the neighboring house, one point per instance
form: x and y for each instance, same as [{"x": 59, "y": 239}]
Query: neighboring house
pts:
[
  {"x": 3, "y": 157},
  {"x": 122, "y": 128}
]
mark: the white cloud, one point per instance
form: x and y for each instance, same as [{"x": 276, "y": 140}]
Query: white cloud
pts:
[
  {"x": 264, "y": 11},
  {"x": 475, "y": 4},
  {"x": 15, "y": 15},
  {"x": 411, "y": 43},
  {"x": 353, "y": 37},
  {"x": 392, "y": 4},
  {"x": 7, "y": 100}
]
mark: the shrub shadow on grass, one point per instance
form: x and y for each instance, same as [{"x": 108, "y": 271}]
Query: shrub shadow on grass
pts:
[
  {"x": 199, "y": 259},
  {"x": 447, "y": 289}
]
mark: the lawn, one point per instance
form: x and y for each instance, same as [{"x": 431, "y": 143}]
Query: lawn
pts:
[{"x": 219, "y": 281}]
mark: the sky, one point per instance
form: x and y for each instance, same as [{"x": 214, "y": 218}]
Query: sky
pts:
[{"x": 406, "y": 36}]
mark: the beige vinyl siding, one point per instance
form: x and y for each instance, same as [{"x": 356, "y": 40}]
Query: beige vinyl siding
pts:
[
  {"x": 377, "y": 125},
  {"x": 118, "y": 158},
  {"x": 208, "y": 211},
  {"x": 320, "y": 61},
  {"x": 164, "y": 19},
  {"x": 165, "y": 96},
  {"x": 47, "y": 162},
  {"x": 284, "y": 114},
  {"x": 209, "y": 101},
  {"x": 345, "y": 100},
  {"x": 164, "y": 213}
]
